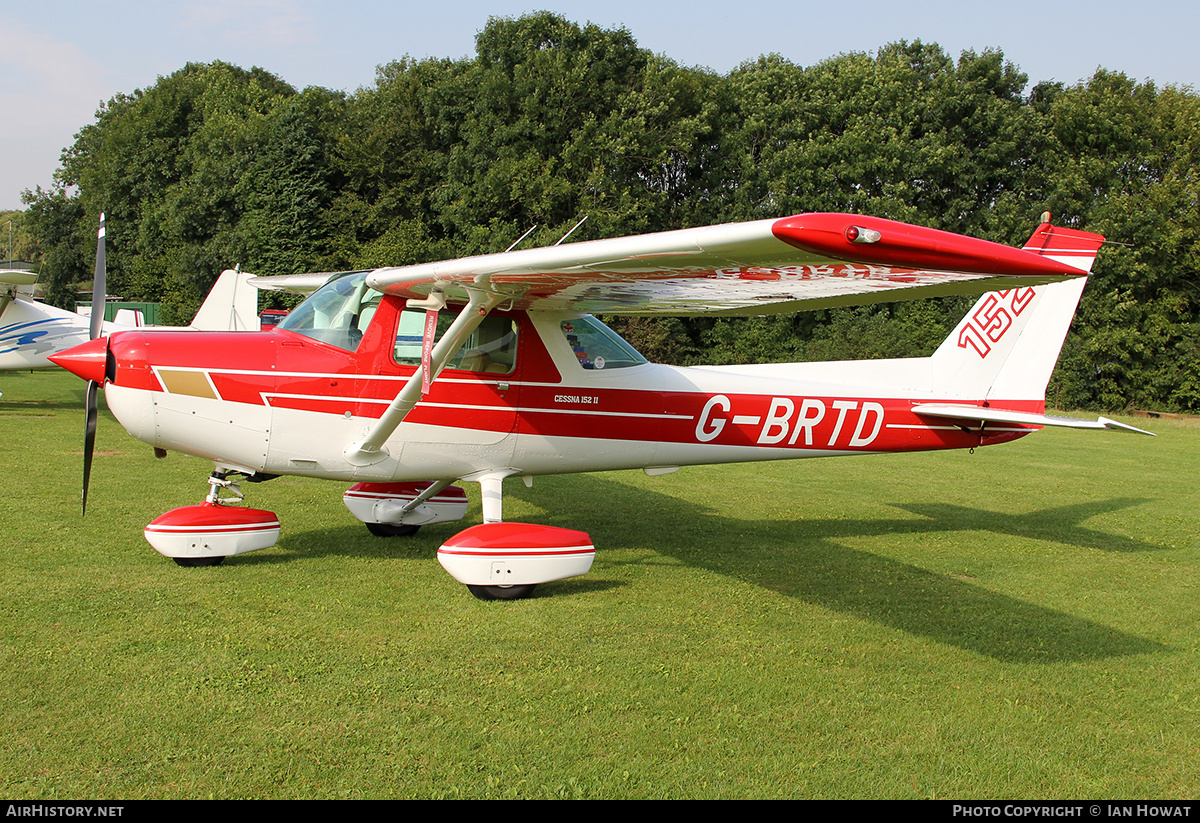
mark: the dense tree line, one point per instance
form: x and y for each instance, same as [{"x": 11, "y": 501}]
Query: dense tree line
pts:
[{"x": 550, "y": 121}]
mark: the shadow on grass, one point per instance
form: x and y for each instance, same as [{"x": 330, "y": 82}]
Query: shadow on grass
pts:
[
  {"x": 41, "y": 408},
  {"x": 30, "y": 394},
  {"x": 1059, "y": 525},
  {"x": 803, "y": 559}
]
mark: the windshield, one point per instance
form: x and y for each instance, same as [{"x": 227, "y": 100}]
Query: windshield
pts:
[{"x": 337, "y": 313}]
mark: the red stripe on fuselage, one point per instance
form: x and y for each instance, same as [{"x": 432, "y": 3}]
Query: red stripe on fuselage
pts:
[
  {"x": 730, "y": 419},
  {"x": 773, "y": 421}
]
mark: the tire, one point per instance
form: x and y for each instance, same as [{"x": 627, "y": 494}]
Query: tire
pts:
[
  {"x": 200, "y": 561},
  {"x": 391, "y": 529},
  {"x": 502, "y": 592}
]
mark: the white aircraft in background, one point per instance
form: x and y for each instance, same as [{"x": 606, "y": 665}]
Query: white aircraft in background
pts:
[
  {"x": 363, "y": 384},
  {"x": 31, "y": 331}
]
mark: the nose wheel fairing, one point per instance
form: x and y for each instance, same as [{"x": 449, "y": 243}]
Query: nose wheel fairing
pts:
[{"x": 210, "y": 531}]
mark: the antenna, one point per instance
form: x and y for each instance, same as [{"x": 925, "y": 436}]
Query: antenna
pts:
[
  {"x": 522, "y": 237},
  {"x": 572, "y": 231}
]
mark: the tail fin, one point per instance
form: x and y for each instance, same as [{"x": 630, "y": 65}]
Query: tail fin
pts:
[
  {"x": 232, "y": 305},
  {"x": 1007, "y": 345}
]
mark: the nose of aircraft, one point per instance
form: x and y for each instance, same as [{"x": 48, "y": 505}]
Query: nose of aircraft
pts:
[{"x": 87, "y": 360}]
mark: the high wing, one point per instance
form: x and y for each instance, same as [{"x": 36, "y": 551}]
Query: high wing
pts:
[
  {"x": 803, "y": 262},
  {"x": 17, "y": 277}
]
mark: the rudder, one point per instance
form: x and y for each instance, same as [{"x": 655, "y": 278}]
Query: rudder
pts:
[{"x": 1007, "y": 345}]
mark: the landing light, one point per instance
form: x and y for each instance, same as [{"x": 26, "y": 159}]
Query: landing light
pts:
[{"x": 857, "y": 234}]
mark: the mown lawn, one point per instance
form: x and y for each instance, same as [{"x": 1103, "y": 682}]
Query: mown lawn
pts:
[{"x": 1017, "y": 622}]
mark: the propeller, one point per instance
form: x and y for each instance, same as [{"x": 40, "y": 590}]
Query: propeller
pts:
[{"x": 93, "y": 386}]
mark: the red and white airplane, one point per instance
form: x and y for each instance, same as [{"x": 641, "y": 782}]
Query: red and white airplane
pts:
[{"x": 407, "y": 380}]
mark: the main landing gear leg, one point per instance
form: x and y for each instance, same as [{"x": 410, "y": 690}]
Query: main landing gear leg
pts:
[
  {"x": 400, "y": 509},
  {"x": 491, "y": 489}
]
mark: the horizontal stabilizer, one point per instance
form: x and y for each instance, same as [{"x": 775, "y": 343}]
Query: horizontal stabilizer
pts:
[
  {"x": 988, "y": 414},
  {"x": 16, "y": 277}
]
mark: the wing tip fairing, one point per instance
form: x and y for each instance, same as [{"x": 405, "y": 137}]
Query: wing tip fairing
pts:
[{"x": 881, "y": 242}]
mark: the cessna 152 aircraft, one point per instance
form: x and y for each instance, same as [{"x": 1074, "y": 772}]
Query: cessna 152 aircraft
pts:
[{"x": 369, "y": 382}]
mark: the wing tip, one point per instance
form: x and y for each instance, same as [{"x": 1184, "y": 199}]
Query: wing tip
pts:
[{"x": 878, "y": 241}]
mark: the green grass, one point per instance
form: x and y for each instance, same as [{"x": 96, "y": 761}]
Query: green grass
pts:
[{"x": 1020, "y": 622}]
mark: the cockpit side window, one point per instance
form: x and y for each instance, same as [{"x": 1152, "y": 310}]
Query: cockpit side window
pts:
[
  {"x": 491, "y": 349},
  {"x": 337, "y": 313}
]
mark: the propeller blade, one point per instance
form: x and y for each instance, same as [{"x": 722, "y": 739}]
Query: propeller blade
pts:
[
  {"x": 97, "y": 326},
  {"x": 89, "y": 436},
  {"x": 98, "y": 284}
]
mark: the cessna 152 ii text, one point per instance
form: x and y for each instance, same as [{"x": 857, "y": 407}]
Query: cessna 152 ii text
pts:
[{"x": 404, "y": 381}]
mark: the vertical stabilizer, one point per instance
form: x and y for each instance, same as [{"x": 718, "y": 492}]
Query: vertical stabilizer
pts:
[
  {"x": 1006, "y": 347},
  {"x": 232, "y": 305}
]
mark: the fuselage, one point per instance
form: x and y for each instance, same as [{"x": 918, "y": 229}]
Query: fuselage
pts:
[
  {"x": 30, "y": 332},
  {"x": 538, "y": 393}
]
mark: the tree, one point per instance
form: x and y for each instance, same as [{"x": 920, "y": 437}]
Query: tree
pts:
[
  {"x": 212, "y": 166},
  {"x": 1122, "y": 162}
]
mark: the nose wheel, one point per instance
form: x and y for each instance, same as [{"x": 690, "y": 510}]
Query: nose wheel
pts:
[{"x": 206, "y": 534}]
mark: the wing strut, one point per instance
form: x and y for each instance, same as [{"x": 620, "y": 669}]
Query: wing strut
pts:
[{"x": 370, "y": 449}]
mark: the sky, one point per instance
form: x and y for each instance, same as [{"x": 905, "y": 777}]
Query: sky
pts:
[{"x": 59, "y": 59}]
